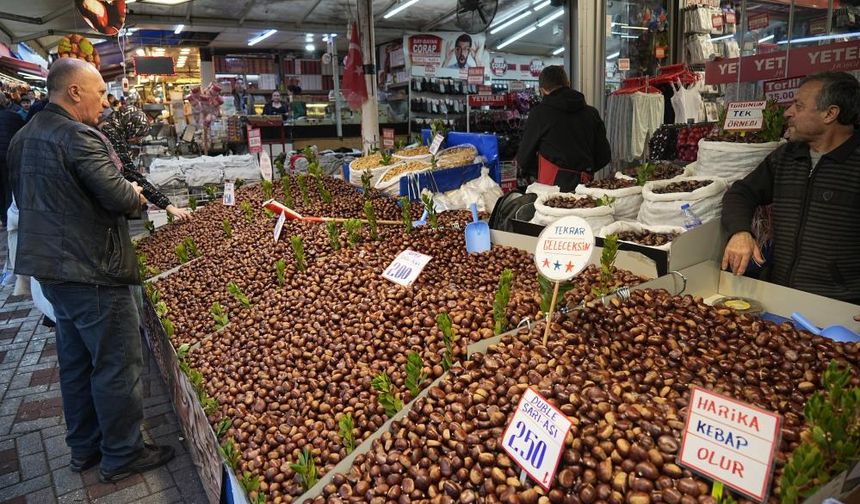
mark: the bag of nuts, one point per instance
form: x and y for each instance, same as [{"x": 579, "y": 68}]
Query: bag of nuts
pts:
[
  {"x": 389, "y": 182},
  {"x": 658, "y": 237},
  {"x": 729, "y": 160},
  {"x": 625, "y": 192},
  {"x": 662, "y": 200},
  {"x": 551, "y": 207}
]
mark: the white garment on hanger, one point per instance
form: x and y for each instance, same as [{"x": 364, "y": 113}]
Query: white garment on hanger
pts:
[{"x": 679, "y": 103}]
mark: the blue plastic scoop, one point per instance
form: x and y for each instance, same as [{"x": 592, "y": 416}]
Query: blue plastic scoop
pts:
[
  {"x": 477, "y": 234},
  {"x": 834, "y": 332}
]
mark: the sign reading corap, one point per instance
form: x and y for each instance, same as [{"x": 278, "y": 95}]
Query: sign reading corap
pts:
[{"x": 730, "y": 441}]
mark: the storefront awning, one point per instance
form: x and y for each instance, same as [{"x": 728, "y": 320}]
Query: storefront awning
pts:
[{"x": 19, "y": 68}]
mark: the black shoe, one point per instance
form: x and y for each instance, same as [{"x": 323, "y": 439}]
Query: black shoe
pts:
[
  {"x": 82, "y": 464},
  {"x": 151, "y": 457},
  {"x": 48, "y": 322}
]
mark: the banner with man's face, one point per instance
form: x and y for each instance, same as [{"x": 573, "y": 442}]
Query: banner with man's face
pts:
[{"x": 445, "y": 54}]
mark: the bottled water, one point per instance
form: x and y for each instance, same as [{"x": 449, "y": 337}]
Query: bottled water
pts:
[{"x": 691, "y": 220}]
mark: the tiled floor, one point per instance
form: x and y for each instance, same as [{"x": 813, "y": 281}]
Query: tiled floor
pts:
[{"x": 34, "y": 458}]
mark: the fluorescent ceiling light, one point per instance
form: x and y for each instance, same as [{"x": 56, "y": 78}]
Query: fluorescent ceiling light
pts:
[
  {"x": 266, "y": 34},
  {"x": 558, "y": 51},
  {"x": 185, "y": 50},
  {"x": 510, "y": 22},
  {"x": 399, "y": 8},
  {"x": 769, "y": 37},
  {"x": 628, "y": 27},
  {"x": 547, "y": 20},
  {"x": 309, "y": 47},
  {"x": 179, "y": 29},
  {"x": 821, "y": 37},
  {"x": 332, "y": 35},
  {"x": 541, "y": 5},
  {"x": 724, "y": 37},
  {"x": 508, "y": 15},
  {"x": 140, "y": 51},
  {"x": 520, "y": 34},
  {"x": 613, "y": 56}
]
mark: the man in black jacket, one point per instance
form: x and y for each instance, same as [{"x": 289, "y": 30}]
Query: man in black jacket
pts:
[
  {"x": 10, "y": 123},
  {"x": 564, "y": 130},
  {"x": 73, "y": 237},
  {"x": 813, "y": 182}
]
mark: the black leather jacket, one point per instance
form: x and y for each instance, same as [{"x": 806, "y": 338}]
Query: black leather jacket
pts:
[{"x": 73, "y": 203}]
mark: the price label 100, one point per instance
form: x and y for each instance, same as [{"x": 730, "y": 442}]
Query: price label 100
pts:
[{"x": 525, "y": 442}]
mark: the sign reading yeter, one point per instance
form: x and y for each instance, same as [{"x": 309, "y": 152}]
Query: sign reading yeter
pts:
[
  {"x": 406, "y": 267},
  {"x": 745, "y": 116},
  {"x": 730, "y": 441},
  {"x": 535, "y": 437}
]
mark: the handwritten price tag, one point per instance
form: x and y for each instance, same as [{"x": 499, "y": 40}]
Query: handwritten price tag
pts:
[
  {"x": 437, "y": 142},
  {"x": 279, "y": 226},
  {"x": 406, "y": 267},
  {"x": 535, "y": 437},
  {"x": 229, "y": 194}
]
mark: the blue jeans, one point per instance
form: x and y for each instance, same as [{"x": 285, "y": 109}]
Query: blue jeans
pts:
[{"x": 100, "y": 355}]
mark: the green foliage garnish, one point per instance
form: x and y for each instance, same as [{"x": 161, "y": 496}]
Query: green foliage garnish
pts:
[
  {"x": 219, "y": 316},
  {"x": 222, "y": 427},
  {"x": 500, "y": 304},
  {"x": 306, "y": 469},
  {"x": 228, "y": 228},
  {"x": 248, "y": 210},
  {"x": 267, "y": 187},
  {"x": 370, "y": 215},
  {"x": 182, "y": 253},
  {"x": 387, "y": 397},
  {"x": 280, "y": 267},
  {"x": 427, "y": 200},
  {"x": 286, "y": 185},
  {"x": 443, "y": 322},
  {"x": 237, "y": 293},
  {"x": 607, "y": 266},
  {"x": 333, "y": 235},
  {"x": 303, "y": 187},
  {"x": 149, "y": 226},
  {"x": 406, "y": 213},
  {"x": 353, "y": 232},
  {"x": 365, "y": 183},
  {"x": 192, "y": 202},
  {"x": 298, "y": 252},
  {"x": 546, "y": 288},
  {"x": 415, "y": 374},
  {"x": 346, "y": 427},
  {"x": 231, "y": 453}
]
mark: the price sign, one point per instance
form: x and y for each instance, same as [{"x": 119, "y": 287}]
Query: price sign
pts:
[
  {"x": 730, "y": 441},
  {"x": 745, "y": 116},
  {"x": 406, "y": 267},
  {"x": 730, "y": 18},
  {"x": 425, "y": 49},
  {"x": 717, "y": 21},
  {"x": 476, "y": 75},
  {"x": 387, "y": 138},
  {"x": 481, "y": 100},
  {"x": 279, "y": 225},
  {"x": 437, "y": 142},
  {"x": 255, "y": 141},
  {"x": 266, "y": 166},
  {"x": 759, "y": 21},
  {"x": 535, "y": 437},
  {"x": 782, "y": 91},
  {"x": 430, "y": 70},
  {"x": 564, "y": 248},
  {"x": 229, "y": 194},
  {"x": 517, "y": 85},
  {"x": 623, "y": 64}
]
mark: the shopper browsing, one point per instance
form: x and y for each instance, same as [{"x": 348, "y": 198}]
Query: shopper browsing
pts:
[
  {"x": 566, "y": 133},
  {"x": 73, "y": 237},
  {"x": 123, "y": 128},
  {"x": 813, "y": 183}
]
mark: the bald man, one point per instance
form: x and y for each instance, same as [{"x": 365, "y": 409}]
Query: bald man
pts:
[{"x": 73, "y": 237}]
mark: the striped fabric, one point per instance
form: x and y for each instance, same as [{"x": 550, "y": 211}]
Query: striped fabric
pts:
[{"x": 816, "y": 217}]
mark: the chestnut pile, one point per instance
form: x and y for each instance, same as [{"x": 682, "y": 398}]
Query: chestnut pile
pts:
[
  {"x": 571, "y": 202},
  {"x": 622, "y": 373},
  {"x": 647, "y": 237},
  {"x": 682, "y": 186},
  {"x": 611, "y": 183}
]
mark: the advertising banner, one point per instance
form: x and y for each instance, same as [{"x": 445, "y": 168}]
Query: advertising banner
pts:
[
  {"x": 445, "y": 54},
  {"x": 519, "y": 67}
]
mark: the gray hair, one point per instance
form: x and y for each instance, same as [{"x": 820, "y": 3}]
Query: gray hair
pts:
[{"x": 838, "y": 89}]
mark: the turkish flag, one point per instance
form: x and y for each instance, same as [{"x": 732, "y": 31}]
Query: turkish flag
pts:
[{"x": 354, "y": 87}]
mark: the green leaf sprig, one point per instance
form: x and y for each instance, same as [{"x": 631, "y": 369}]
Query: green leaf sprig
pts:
[
  {"x": 268, "y": 189},
  {"x": 228, "y": 228},
  {"x": 192, "y": 202},
  {"x": 415, "y": 374},
  {"x": 219, "y": 316},
  {"x": 170, "y": 218},
  {"x": 427, "y": 200},
  {"x": 248, "y": 210},
  {"x": 443, "y": 322},
  {"x": 500, "y": 304},
  {"x": 346, "y": 428},
  {"x": 280, "y": 267},
  {"x": 406, "y": 213},
  {"x": 237, "y": 293},
  {"x": 607, "y": 266},
  {"x": 287, "y": 187},
  {"x": 231, "y": 453},
  {"x": 191, "y": 247},
  {"x": 306, "y": 469},
  {"x": 211, "y": 192},
  {"x": 279, "y": 166},
  {"x": 333, "y": 234},
  {"x": 149, "y": 226},
  {"x": 324, "y": 192},
  {"x": 353, "y": 232},
  {"x": 365, "y": 183},
  {"x": 370, "y": 215},
  {"x": 222, "y": 427},
  {"x": 298, "y": 252},
  {"x": 238, "y": 183},
  {"x": 546, "y": 287},
  {"x": 387, "y": 395},
  {"x": 182, "y": 253},
  {"x": 301, "y": 179}
]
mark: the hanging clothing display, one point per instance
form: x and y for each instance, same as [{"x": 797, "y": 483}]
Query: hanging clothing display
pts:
[
  {"x": 687, "y": 103},
  {"x": 630, "y": 119}
]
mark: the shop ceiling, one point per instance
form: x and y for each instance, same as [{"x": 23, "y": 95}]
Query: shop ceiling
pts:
[{"x": 223, "y": 24}]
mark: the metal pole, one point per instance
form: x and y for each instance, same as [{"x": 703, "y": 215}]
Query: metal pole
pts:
[
  {"x": 830, "y": 17},
  {"x": 743, "y": 33},
  {"x": 335, "y": 68},
  {"x": 790, "y": 35},
  {"x": 370, "y": 108}
]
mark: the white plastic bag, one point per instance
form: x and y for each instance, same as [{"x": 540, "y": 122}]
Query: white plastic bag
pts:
[
  {"x": 375, "y": 175},
  {"x": 596, "y": 217},
  {"x": 731, "y": 161},
  {"x": 391, "y": 186},
  {"x": 665, "y": 209},
  {"x": 487, "y": 188},
  {"x": 627, "y": 200},
  {"x": 622, "y": 227},
  {"x": 538, "y": 188}
]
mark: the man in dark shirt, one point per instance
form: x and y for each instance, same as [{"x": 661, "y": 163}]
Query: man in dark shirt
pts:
[
  {"x": 563, "y": 130},
  {"x": 813, "y": 182}
]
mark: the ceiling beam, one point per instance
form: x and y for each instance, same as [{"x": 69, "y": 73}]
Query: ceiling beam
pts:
[
  {"x": 49, "y": 33},
  {"x": 5, "y": 34},
  {"x": 381, "y": 12},
  {"x": 245, "y": 10},
  {"x": 310, "y": 10},
  {"x": 188, "y": 12},
  {"x": 57, "y": 13},
  {"x": 202, "y": 23},
  {"x": 439, "y": 20}
]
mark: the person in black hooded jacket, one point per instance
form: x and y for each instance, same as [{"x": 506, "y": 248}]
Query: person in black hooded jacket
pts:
[{"x": 565, "y": 131}]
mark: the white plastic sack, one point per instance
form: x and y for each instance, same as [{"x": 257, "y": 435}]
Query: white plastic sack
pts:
[
  {"x": 241, "y": 167},
  {"x": 621, "y": 227},
  {"x": 42, "y": 304},
  {"x": 665, "y": 209},
  {"x": 627, "y": 200},
  {"x": 596, "y": 217},
  {"x": 689, "y": 171},
  {"x": 390, "y": 187},
  {"x": 538, "y": 188},
  {"x": 375, "y": 175},
  {"x": 200, "y": 175},
  {"x": 731, "y": 161},
  {"x": 487, "y": 188}
]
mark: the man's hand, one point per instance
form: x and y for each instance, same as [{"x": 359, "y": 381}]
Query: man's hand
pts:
[
  {"x": 139, "y": 191},
  {"x": 179, "y": 213},
  {"x": 739, "y": 250}
]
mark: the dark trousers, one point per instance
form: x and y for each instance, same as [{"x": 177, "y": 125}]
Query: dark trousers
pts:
[{"x": 100, "y": 355}]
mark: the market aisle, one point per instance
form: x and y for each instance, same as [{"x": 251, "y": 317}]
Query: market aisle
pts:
[{"x": 34, "y": 457}]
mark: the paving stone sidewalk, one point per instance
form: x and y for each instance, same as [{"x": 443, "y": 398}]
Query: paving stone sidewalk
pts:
[{"x": 34, "y": 458}]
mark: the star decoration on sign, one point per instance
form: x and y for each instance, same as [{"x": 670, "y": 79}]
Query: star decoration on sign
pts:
[
  {"x": 557, "y": 265},
  {"x": 546, "y": 263},
  {"x": 568, "y": 266}
]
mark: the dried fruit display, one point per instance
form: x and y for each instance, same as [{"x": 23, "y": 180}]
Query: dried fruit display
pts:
[
  {"x": 366, "y": 162},
  {"x": 683, "y": 186},
  {"x": 403, "y": 169},
  {"x": 622, "y": 372},
  {"x": 421, "y": 150}
]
